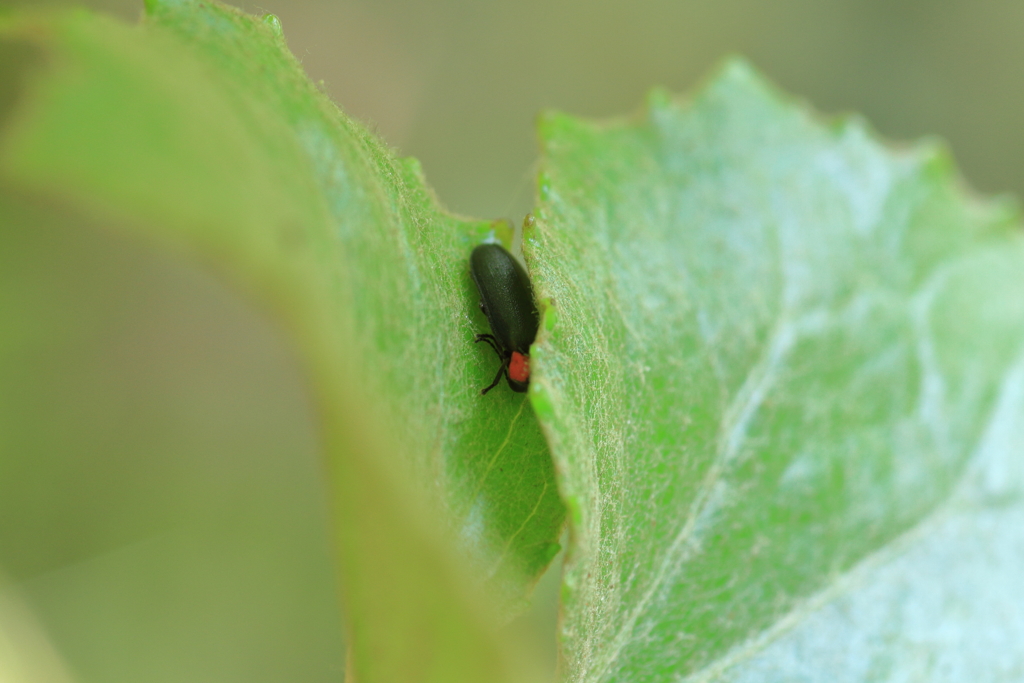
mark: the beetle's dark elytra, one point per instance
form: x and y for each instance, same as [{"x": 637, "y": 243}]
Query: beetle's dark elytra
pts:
[{"x": 506, "y": 298}]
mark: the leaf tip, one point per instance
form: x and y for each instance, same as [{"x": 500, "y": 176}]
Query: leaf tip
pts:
[
  {"x": 659, "y": 98},
  {"x": 274, "y": 23},
  {"x": 938, "y": 163},
  {"x": 551, "y": 123},
  {"x": 550, "y": 551},
  {"x": 529, "y": 224},
  {"x": 737, "y": 71},
  {"x": 936, "y": 156},
  {"x": 737, "y": 77}
]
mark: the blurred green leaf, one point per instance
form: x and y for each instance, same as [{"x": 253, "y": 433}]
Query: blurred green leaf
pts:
[
  {"x": 781, "y": 375},
  {"x": 162, "y": 504},
  {"x": 26, "y": 655},
  {"x": 199, "y": 131}
]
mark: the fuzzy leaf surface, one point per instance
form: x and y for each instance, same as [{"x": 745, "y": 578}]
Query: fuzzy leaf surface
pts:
[{"x": 780, "y": 373}]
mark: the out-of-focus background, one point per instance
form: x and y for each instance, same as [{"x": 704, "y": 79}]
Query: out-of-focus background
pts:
[
  {"x": 458, "y": 83},
  {"x": 165, "y": 520}
]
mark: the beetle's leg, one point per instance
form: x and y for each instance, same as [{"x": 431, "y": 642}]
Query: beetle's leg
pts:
[
  {"x": 490, "y": 340},
  {"x": 497, "y": 378}
]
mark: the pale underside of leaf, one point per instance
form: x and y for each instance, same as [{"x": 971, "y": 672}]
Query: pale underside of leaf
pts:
[
  {"x": 940, "y": 605},
  {"x": 763, "y": 369}
]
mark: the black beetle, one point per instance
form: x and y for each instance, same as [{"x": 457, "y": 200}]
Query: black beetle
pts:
[{"x": 506, "y": 298}]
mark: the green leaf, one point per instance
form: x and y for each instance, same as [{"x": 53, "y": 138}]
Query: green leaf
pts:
[
  {"x": 26, "y": 655},
  {"x": 199, "y": 131},
  {"x": 780, "y": 372}
]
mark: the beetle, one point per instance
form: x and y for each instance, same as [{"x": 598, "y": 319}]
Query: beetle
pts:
[{"x": 506, "y": 298}]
